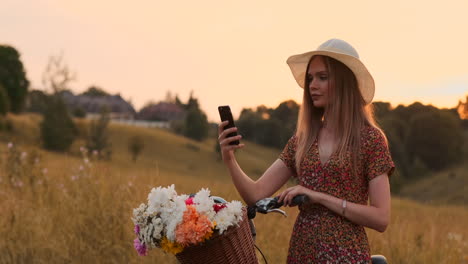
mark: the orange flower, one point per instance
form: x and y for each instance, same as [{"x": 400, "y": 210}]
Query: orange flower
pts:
[{"x": 194, "y": 228}]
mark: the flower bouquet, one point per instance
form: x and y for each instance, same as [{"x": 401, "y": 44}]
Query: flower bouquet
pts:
[{"x": 195, "y": 228}]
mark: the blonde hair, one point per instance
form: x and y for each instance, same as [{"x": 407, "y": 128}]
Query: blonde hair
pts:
[{"x": 346, "y": 114}]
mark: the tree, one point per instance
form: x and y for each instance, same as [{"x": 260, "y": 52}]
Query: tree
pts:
[
  {"x": 436, "y": 138},
  {"x": 395, "y": 130},
  {"x": 381, "y": 110},
  {"x": 36, "y": 101},
  {"x": 98, "y": 137},
  {"x": 13, "y": 77},
  {"x": 79, "y": 112},
  {"x": 4, "y": 101},
  {"x": 95, "y": 92},
  {"x": 196, "y": 124},
  {"x": 169, "y": 97},
  {"x": 192, "y": 102},
  {"x": 268, "y": 126},
  {"x": 57, "y": 75},
  {"x": 406, "y": 113},
  {"x": 178, "y": 102},
  {"x": 248, "y": 123},
  {"x": 57, "y": 128},
  {"x": 135, "y": 146},
  {"x": 286, "y": 113}
]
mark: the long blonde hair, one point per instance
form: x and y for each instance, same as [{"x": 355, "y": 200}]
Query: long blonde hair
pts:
[{"x": 346, "y": 113}]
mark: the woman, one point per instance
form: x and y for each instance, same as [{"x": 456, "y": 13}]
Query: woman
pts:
[{"x": 338, "y": 155}]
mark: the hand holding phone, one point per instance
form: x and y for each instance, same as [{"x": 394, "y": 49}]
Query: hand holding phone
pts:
[{"x": 226, "y": 115}]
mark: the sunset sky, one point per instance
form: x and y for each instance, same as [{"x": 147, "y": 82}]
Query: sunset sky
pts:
[{"x": 234, "y": 52}]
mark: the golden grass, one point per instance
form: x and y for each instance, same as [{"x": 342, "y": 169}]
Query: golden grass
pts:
[{"x": 79, "y": 213}]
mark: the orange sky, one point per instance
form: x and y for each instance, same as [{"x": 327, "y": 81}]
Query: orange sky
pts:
[{"x": 234, "y": 52}]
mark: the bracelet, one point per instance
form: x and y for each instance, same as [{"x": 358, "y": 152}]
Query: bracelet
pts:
[{"x": 343, "y": 205}]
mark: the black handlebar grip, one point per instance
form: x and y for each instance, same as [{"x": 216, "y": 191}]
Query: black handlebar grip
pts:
[{"x": 299, "y": 199}]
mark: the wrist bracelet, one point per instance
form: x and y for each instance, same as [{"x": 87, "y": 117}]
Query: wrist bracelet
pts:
[{"x": 343, "y": 205}]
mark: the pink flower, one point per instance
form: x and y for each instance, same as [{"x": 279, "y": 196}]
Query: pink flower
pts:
[
  {"x": 137, "y": 229},
  {"x": 189, "y": 201},
  {"x": 141, "y": 249},
  {"x": 218, "y": 207}
]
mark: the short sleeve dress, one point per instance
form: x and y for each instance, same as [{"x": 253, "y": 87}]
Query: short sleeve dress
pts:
[{"x": 319, "y": 234}]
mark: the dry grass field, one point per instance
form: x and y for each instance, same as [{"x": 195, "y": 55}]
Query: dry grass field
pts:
[{"x": 72, "y": 208}]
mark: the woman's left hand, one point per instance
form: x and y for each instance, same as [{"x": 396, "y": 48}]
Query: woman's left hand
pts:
[{"x": 287, "y": 195}]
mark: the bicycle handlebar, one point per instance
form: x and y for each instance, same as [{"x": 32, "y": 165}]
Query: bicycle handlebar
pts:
[{"x": 268, "y": 205}]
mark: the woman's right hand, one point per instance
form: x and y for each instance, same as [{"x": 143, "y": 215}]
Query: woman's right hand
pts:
[{"x": 227, "y": 151}]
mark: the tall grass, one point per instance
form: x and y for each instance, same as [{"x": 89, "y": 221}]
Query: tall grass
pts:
[{"x": 59, "y": 208}]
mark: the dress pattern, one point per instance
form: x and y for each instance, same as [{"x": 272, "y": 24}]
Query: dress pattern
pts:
[{"x": 319, "y": 234}]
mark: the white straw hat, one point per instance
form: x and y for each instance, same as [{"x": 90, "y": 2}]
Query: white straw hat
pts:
[{"x": 341, "y": 51}]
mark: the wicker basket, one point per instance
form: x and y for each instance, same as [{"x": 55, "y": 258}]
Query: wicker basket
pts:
[{"x": 234, "y": 246}]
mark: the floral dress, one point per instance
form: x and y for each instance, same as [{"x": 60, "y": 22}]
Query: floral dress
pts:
[{"x": 319, "y": 234}]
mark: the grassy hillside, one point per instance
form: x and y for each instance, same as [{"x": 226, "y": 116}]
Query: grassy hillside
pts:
[
  {"x": 73, "y": 208},
  {"x": 446, "y": 187},
  {"x": 449, "y": 186}
]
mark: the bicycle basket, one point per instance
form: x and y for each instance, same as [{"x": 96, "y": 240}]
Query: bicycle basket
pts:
[{"x": 234, "y": 246}]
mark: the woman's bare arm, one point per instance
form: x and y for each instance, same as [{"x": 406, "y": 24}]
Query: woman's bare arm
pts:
[
  {"x": 376, "y": 215},
  {"x": 251, "y": 191}
]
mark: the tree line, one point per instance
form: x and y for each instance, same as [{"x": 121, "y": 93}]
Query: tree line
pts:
[{"x": 422, "y": 138}]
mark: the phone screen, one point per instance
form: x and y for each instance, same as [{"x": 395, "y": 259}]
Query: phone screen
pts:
[{"x": 226, "y": 115}]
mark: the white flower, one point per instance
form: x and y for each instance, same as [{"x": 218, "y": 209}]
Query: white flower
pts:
[
  {"x": 10, "y": 145},
  {"x": 223, "y": 220},
  {"x": 235, "y": 208},
  {"x": 138, "y": 215},
  {"x": 159, "y": 197},
  {"x": 172, "y": 215},
  {"x": 169, "y": 205},
  {"x": 146, "y": 234},
  {"x": 158, "y": 227},
  {"x": 229, "y": 216},
  {"x": 150, "y": 233},
  {"x": 204, "y": 204}
]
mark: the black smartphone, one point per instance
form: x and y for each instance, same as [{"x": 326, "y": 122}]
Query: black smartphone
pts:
[{"x": 226, "y": 115}]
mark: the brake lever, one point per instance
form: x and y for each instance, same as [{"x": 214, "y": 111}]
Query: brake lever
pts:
[{"x": 276, "y": 210}]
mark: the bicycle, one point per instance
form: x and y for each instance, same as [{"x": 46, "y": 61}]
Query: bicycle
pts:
[{"x": 270, "y": 205}]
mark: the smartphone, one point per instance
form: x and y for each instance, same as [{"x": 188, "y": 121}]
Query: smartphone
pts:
[{"x": 226, "y": 115}]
